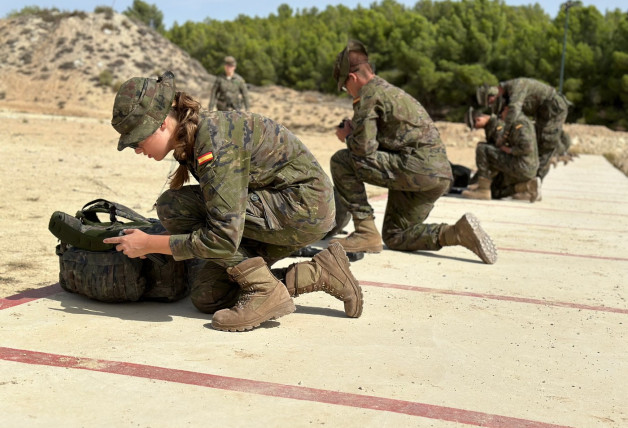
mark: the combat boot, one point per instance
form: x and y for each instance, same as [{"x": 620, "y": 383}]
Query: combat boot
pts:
[
  {"x": 482, "y": 191},
  {"x": 365, "y": 238},
  {"x": 329, "y": 272},
  {"x": 530, "y": 190},
  {"x": 468, "y": 233},
  {"x": 262, "y": 297}
]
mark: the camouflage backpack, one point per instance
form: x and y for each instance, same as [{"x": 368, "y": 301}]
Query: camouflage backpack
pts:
[{"x": 96, "y": 270}]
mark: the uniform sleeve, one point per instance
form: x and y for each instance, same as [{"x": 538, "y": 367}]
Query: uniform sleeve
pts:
[
  {"x": 517, "y": 94},
  {"x": 245, "y": 95},
  {"x": 363, "y": 140},
  {"x": 523, "y": 138},
  {"x": 213, "y": 97},
  {"x": 224, "y": 184}
]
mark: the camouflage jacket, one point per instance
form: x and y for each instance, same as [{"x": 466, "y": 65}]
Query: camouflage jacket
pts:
[
  {"x": 522, "y": 141},
  {"x": 387, "y": 118},
  {"x": 493, "y": 129},
  {"x": 229, "y": 94},
  {"x": 526, "y": 95},
  {"x": 242, "y": 157}
]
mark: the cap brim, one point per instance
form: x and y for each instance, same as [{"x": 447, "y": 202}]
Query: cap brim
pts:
[{"x": 139, "y": 133}]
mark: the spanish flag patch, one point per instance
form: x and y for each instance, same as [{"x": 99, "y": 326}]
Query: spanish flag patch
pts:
[{"x": 207, "y": 157}]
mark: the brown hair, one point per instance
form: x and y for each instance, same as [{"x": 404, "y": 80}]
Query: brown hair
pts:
[{"x": 186, "y": 112}]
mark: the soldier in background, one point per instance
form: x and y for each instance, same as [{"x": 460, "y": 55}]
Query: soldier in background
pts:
[
  {"x": 539, "y": 101},
  {"x": 392, "y": 142},
  {"x": 515, "y": 156},
  {"x": 229, "y": 91},
  {"x": 261, "y": 196}
]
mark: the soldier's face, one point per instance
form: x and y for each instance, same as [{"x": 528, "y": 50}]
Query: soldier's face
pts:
[
  {"x": 229, "y": 69},
  {"x": 157, "y": 146},
  {"x": 481, "y": 121}
]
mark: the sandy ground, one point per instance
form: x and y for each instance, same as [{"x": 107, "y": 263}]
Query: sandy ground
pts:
[{"x": 55, "y": 163}]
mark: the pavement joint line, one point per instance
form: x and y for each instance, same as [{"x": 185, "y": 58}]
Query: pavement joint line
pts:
[
  {"x": 529, "y": 206},
  {"x": 35, "y": 294},
  {"x": 271, "y": 389},
  {"x": 551, "y": 226},
  {"x": 589, "y": 200},
  {"x": 539, "y": 302},
  {"x": 554, "y": 253}
]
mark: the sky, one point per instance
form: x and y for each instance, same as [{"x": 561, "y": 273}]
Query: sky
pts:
[{"x": 197, "y": 10}]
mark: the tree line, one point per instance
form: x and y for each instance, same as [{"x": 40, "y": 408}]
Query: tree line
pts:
[{"x": 438, "y": 51}]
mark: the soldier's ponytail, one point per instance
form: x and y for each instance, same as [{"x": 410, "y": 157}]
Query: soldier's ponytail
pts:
[{"x": 186, "y": 111}]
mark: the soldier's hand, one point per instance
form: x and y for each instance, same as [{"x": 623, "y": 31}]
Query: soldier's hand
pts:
[
  {"x": 505, "y": 149},
  {"x": 134, "y": 243},
  {"x": 343, "y": 131}
]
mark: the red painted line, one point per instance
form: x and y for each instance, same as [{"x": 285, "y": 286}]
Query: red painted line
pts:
[
  {"x": 496, "y": 297},
  {"x": 29, "y": 296},
  {"x": 270, "y": 389},
  {"x": 552, "y": 253}
]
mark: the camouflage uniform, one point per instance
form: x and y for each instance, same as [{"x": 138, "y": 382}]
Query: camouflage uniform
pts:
[
  {"x": 518, "y": 166},
  {"x": 260, "y": 193},
  {"x": 493, "y": 129},
  {"x": 229, "y": 93},
  {"x": 394, "y": 144},
  {"x": 548, "y": 108}
]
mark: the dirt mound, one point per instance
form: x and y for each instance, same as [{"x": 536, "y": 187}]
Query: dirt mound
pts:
[{"x": 72, "y": 64}]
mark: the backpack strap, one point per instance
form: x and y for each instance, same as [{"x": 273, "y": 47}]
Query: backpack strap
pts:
[{"x": 114, "y": 209}]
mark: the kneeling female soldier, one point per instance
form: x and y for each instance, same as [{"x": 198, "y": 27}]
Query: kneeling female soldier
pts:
[{"x": 261, "y": 196}]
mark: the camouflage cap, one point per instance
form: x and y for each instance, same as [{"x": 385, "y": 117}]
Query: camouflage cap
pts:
[
  {"x": 229, "y": 60},
  {"x": 342, "y": 66},
  {"x": 483, "y": 92},
  {"x": 140, "y": 107}
]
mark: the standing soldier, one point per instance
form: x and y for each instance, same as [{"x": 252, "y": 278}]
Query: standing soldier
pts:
[
  {"x": 261, "y": 196},
  {"x": 229, "y": 91},
  {"x": 515, "y": 157},
  {"x": 393, "y": 143}
]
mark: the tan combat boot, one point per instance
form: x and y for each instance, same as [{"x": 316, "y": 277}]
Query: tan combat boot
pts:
[
  {"x": 482, "y": 191},
  {"x": 365, "y": 238},
  {"x": 530, "y": 190},
  {"x": 263, "y": 297},
  {"x": 468, "y": 233},
  {"x": 329, "y": 272}
]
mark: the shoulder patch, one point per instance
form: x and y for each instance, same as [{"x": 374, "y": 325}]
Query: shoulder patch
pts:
[
  {"x": 499, "y": 128},
  {"x": 207, "y": 157},
  {"x": 518, "y": 126}
]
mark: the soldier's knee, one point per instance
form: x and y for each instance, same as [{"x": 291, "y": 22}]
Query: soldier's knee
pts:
[
  {"x": 340, "y": 158},
  {"x": 164, "y": 203}
]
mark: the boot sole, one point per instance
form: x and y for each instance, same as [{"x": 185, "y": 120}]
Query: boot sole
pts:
[
  {"x": 486, "y": 247},
  {"x": 339, "y": 254},
  {"x": 285, "y": 308}
]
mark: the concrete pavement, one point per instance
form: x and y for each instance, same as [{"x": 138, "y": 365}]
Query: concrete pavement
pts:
[{"x": 536, "y": 340}]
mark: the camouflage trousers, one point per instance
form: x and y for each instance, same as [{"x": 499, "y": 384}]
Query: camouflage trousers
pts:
[
  {"x": 549, "y": 121},
  {"x": 411, "y": 196},
  {"x": 183, "y": 211},
  {"x": 490, "y": 161}
]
